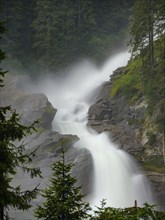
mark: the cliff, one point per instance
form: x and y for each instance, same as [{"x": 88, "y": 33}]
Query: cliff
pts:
[{"x": 131, "y": 128}]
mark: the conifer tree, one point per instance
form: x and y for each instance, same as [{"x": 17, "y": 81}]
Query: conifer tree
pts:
[
  {"x": 13, "y": 156},
  {"x": 148, "y": 22},
  {"x": 63, "y": 200},
  {"x": 44, "y": 26},
  {"x": 12, "y": 42}
]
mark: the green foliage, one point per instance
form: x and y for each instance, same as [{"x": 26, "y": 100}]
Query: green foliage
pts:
[
  {"x": 12, "y": 14},
  {"x": 148, "y": 40},
  {"x": 151, "y": 138},
  {"x": 16, "y": 41},
  {"x": 134, "y": 213},
  {"x": 154, "y": 163},
  {"x": 129, "y": 83},
  {"x": 13, "y": 156},
  {"x": 49, "y": 34},
  {"x": 63, "y": 200},
  {"x": 145, "y": 73}
]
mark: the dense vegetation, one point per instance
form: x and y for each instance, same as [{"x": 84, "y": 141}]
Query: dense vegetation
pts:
[
  {"x": 49, "y": 34},
  {"x": 144, "y": 76}
]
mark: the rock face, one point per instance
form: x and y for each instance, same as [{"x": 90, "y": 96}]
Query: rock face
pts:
[
  {"x": 48, "y": 143},
  {"x": 115, "y": 115},
  {"x": 128, "y": 127},
  {"x": 30, "y": 107}
]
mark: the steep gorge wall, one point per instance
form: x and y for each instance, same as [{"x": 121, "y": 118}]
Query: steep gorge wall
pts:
[{"x": 128, "y": 126}]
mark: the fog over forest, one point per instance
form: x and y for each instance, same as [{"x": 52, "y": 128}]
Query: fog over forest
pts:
[{"x": 82, "y": 105}]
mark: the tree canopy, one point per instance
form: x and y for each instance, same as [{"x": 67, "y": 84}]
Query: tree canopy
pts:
[{"x": 50, "y": 34}]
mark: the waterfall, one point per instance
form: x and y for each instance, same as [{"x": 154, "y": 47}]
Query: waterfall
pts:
[{"x": 116, "y": 176}]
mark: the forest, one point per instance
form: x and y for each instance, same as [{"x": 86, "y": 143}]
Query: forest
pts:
[
  {"x": 145, "y": 74},
  {"x": 48, "y": 35},
  {"x": 43, "y": 36}
]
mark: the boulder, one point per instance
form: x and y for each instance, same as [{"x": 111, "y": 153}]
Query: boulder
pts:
[
  {"x": 30, "y": 107},
  {"x": 34, "y": 107}
]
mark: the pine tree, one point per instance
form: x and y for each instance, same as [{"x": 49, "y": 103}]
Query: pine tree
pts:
[
  {"x": 148, "y": 22},
  {"x": 148, "y": 44},
  {"x": 44, "y": 26},
  {"x": 139, "y": 27},
  {"x": 12, "y": 42},
  {"x": 85, "y": 26},
  {"x": 147, "y": 41},
  {"x": 54, "y": 33},
  {"x": 17, "y": 40},
  {"x": 63, "y": 198},
  {"x": 13, "y": 156}
]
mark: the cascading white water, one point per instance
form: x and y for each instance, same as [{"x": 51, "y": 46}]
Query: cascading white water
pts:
[{"x": 116, "y": 176}]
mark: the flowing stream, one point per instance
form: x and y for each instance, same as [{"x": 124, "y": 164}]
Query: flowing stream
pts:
[{"x": 116, "y": 176}]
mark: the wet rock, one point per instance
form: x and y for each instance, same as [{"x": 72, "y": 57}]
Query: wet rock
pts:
[
  {"x": 30, "y": 107},
  {"x": 158, "y": 185},
  {"x": 115, "y": 115},
  {"x": 128, "y": 126}
]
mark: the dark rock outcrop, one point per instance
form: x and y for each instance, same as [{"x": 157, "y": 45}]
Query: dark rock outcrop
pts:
[
  {"x": 114, "y": 114},
  {"x": 30, "y": 107}
]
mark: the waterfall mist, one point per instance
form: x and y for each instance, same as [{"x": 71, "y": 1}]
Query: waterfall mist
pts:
[{"x": 116, "y": 176}]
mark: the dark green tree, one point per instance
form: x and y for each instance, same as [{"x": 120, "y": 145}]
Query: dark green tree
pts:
[
  {"x": 12, "y": 42},
  {"x": 142, "y": 30},
  {"x": 148, "y": 22},
  {"x": 52, "y": 34},
  {"x": 13, "y": 156},
  {"x": 63, "y": 200},
  {"x": 67, "y": 30},
  {"x": 85, "y": 27},
  {"x": 61, "y": 31},
  {"x": 146, "y": 212},
  {"x": 16, "y": 42},
  {"x": 147, "y": 42},
  {"x": 45, "y": 30}
]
